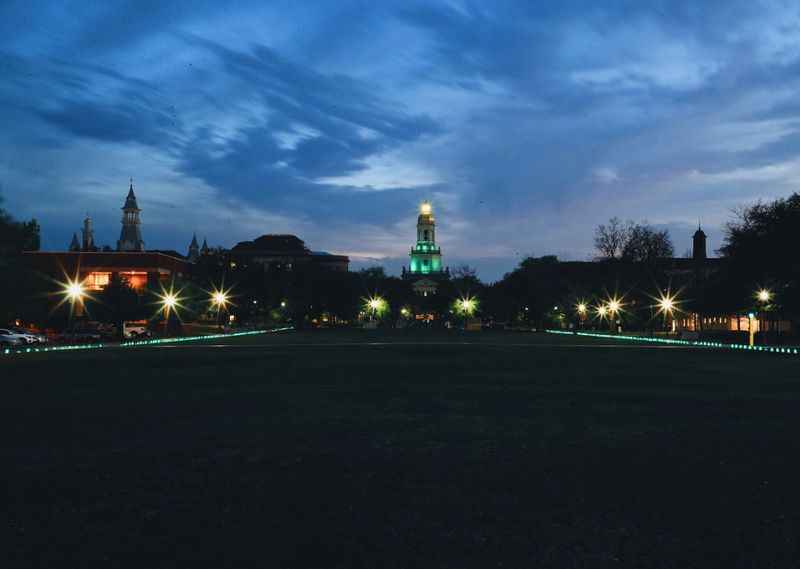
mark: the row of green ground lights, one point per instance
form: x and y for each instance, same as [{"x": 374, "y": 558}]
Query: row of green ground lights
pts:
[
  {"x": 745, "y": 347},
  {"x": 135, "y": 343}
]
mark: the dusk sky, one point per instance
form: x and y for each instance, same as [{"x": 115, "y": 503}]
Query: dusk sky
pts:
[{"x": 525, "y": 123}]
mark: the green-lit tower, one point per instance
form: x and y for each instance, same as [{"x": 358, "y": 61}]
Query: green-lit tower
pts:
[{"x": 426, "y": 257}]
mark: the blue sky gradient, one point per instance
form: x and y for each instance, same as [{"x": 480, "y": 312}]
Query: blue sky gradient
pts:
[{"x": 525, "y": 123}]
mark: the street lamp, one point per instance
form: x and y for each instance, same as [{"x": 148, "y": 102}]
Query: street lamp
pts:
[
  {"x": 170, "y": 301},
  {"x": 74, "y": 293},
  {"x": 466, "y": 306},
  {"x": 581, "y": 308},
  {"x": 219, "y": 298},
  {"x": 376, "y": 306},
  {"x": 764, "y": 296},
  {"x": 614, "y": 307}
]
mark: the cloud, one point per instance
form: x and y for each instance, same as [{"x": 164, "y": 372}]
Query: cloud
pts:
[{"x": 526, "y": 123}]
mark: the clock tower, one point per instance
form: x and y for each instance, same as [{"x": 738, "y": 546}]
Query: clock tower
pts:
[{"x": 425, "y": 266}]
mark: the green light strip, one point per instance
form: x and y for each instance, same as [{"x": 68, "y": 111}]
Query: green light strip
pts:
[
  {"x": 696, "y": 343},
  {"x": 137, "y": 343}
]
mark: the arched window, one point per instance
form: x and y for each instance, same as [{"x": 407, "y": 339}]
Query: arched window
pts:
[{"x": 425, "y": 235}]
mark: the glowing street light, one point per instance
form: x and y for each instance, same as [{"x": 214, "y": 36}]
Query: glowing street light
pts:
[
  {"x": 764, "y": 295},
  {"x": 219, "y": 299},
  {"x": 376, "y": 305},
  {"x": 581, "y": 308},
  {"x": 466, "y": 306},
  {"x": 666, "y": 305},
  {"x": 614, "y": 306},
  {"x": 74, "y": 291},
  {"x": 601, "y": 311},
  {"x": 170, "y": 301}
]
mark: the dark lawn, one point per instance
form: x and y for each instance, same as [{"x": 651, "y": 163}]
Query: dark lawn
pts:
[{"x": 309, "y": 450}]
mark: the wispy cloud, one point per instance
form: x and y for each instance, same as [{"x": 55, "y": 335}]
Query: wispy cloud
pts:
[{"x": 526, "y": 123}]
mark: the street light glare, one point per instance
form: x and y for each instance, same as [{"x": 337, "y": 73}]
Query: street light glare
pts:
[
  {"x": 220, "y": 298},
  {"x": 581, "y": 308},
  {"x": 74, "y": 290},
  {"x": 764, "y": 295},
  {"x": 666, "y": 304},
  {"x": 169, "y": 300},
  {"x": 466, "y": 305}
]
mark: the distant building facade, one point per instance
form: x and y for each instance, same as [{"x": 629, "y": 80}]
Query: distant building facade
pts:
[
  {"x": 96, "y": 269},
  {"x": 285, "y": 253}
]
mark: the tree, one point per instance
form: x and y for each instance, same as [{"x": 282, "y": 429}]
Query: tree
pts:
[
  {"x": 759, "y": 247},
  {"x": 465, "y": 279},
  {"x": 610, "y": 239},
  {"x": 646, "y": 245},
  {"x": 632, "y": 242},
  {"x": 464, "y": 272},
  {"x": 117, "y": 303},
  {"x": 17, "y": 236},
  {"x": 21, "y": 290}
]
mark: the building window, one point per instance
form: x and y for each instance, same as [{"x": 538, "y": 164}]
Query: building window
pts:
[
  {"x": 97, "y": 281},
  {"x": 135, "y": 279}
]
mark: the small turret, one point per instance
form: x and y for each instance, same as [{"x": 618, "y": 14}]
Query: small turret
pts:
[
  {"x": 204, "y": 250},
  {"x": 74, "y": 246},
  {"x": 194, "y": 250},
  {"x": 88, "y": 235},
  {"x": 699, "y": 245}
]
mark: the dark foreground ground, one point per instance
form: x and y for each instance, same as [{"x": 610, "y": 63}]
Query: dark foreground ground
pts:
[{"x": 317, "y": 451}]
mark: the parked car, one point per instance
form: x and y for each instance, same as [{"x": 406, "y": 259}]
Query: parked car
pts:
[
  {"x": 30, "y": 337},
  {"x": 134, "y": 330},
  {"x": 9, "y": 339}
]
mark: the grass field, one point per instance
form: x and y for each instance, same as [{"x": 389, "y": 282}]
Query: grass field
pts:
[{"x": 376, "y": 449}]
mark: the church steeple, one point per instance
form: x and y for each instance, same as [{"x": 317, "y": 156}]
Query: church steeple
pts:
[
  {"x": 130, "y": 238},
  {"x": 204, "y": 250},
  {"x": 194, "y": 249},
  {"x": 74, "y": 246},
  {"x": 88, "y": 234}
]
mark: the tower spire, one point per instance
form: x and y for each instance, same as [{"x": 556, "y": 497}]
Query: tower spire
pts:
[
  {"x": 130, "y": 238},
  {"x": 194, "y": 249}
]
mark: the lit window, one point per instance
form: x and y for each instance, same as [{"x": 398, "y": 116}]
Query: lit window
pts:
[
  {"x": 135, "y": 280},
  {"x": 97, "y": 281}
]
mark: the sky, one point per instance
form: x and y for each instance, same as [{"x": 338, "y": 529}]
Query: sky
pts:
[{"x": 526, "y": 124}]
